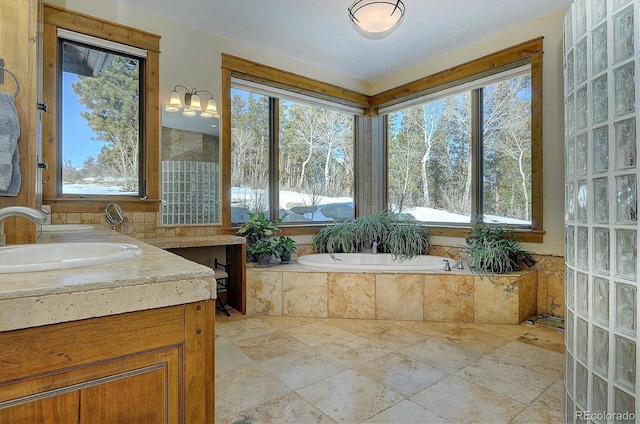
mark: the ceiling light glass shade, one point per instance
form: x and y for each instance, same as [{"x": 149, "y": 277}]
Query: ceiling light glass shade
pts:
[
  {"x": 212, "y": 110},
  {"x": 376, "y": 18},
  {"x": 189, "y": 112},
  {"x": 175, "y": 104}
]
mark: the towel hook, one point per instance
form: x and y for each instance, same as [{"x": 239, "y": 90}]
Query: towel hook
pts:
[{"x": 14, "y": 78}]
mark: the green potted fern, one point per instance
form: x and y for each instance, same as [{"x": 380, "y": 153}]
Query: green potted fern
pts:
[
  {"x": 370, "y": 228},
  {"x": 407, "y": 240},
  {"x": 336, "y": 238},
  {"x": 494, "y": 250},
  {"x": 404, "y": 240}
]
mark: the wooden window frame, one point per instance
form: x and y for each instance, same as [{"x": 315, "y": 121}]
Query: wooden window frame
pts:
[
  {"x": 370, "y": 129},
  {"x": 235, "y": 67},
  {"x": 54, "y": 18},
  {"x": 529, "y": 52}
]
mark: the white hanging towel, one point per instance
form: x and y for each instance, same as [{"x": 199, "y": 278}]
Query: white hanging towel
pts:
[{"x": 9, "y": 155}]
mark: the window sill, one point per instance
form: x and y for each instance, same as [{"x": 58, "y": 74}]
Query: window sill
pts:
[
  {"x": 96, "y": 204},
  {"x": 528, "y": 236}
]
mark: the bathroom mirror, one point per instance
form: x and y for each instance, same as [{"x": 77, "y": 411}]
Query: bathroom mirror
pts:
[{"x": 190, "y": 169}]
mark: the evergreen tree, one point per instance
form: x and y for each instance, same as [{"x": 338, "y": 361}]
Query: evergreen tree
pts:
[{"x": 112, "y": 100}]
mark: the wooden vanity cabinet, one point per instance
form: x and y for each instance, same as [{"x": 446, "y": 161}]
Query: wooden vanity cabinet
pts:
[{"x": 152, "y": 366}]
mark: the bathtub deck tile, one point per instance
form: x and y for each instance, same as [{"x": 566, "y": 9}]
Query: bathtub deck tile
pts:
[
  {"x": 305, "y": 294},
  {"x": 528, "y": 296},
  {"x": 400, "y": 296},
  {"x": 496, "y": 300},
  {"x": 456, "y": 297},
  {"x": 449, "y": 298},
  {"x": 352, "y": 295},
  {"x": 264, "y": 294}
]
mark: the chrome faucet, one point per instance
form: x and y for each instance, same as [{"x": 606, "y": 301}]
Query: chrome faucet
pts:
[
  {"x": 31, "y": 214},
  {"x": 374, "y": 247},
  {"x": 447, "y": 267}
]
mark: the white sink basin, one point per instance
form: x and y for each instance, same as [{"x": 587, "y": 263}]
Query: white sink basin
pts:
[
  {"x": 51, "y": 256},
  {"x": 66, "y": 228}
]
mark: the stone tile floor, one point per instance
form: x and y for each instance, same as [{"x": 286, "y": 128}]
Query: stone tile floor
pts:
[{"x": 273, "y": 369}]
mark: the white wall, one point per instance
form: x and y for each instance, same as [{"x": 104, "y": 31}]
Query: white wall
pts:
[{"x": 192, "y": 58}]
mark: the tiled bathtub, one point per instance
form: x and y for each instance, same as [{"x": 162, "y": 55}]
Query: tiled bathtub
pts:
[{"x": 456, "y": 296}]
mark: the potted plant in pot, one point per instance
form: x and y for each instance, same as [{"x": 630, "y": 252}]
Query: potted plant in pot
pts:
[
  {"x": 285, "y": 246},
  {"x": 262, "y": 251},
  {"x": 407, "y": 240},
  {"x": 336, "y": 238},
  {"x": 370, "y": 228},
  {"x": 257, "y": 228},
  {"x": 494, "y": 250}
]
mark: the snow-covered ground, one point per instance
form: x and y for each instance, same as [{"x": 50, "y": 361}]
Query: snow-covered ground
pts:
[
  {"x": 243, "y": 196},
  {"x": 88, "y": 189}
]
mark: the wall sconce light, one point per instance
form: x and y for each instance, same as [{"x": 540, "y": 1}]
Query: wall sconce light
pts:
[
  {"x": 376, "y": 18},
  {"x": 192, "y": 103}
]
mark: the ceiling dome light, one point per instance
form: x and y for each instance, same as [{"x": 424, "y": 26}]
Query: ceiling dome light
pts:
[{"x": 376, "y": 18}]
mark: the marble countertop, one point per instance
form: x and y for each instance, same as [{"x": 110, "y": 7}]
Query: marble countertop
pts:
[
  {"x": 193, "y": 241},
  {"x": 154, "y": 280}
]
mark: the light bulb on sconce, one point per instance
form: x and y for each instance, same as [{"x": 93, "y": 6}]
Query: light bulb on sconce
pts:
[
  {"x": 211, "y": 111},
  {"x": 192, "y": 103}
]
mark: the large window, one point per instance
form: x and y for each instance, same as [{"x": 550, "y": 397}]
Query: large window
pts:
[
  {"x": 462, "y": 153},
  {"x": 460, "y": 144},
  {"x": 465, "y": 143},
  {"x": 290, "y": 159},
  {"x": 100, "y": 81}
]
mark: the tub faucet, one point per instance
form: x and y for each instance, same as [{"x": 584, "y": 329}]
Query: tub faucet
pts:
[
  {"x": 374, "y": 247},
  {"x": 460, "y": 264},
  {"x": 31, "y": 214},
  {"x": 447, "y": 267}
]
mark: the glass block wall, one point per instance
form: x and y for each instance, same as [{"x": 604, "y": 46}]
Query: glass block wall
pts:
[
  {"x": 601, "y": 223},
  {"x": 190, "y": 192}
]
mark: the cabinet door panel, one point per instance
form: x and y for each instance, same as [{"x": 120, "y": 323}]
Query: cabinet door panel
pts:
[
  {"x": 143, "y": 367},
  {"x": 56, "y": 409},
  {"x": 139, "y": 389},
  {"x": 123, "y": 400}
]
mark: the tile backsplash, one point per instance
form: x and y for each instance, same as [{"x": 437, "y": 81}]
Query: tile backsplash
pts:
[{"x": 136, "y": 224}]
